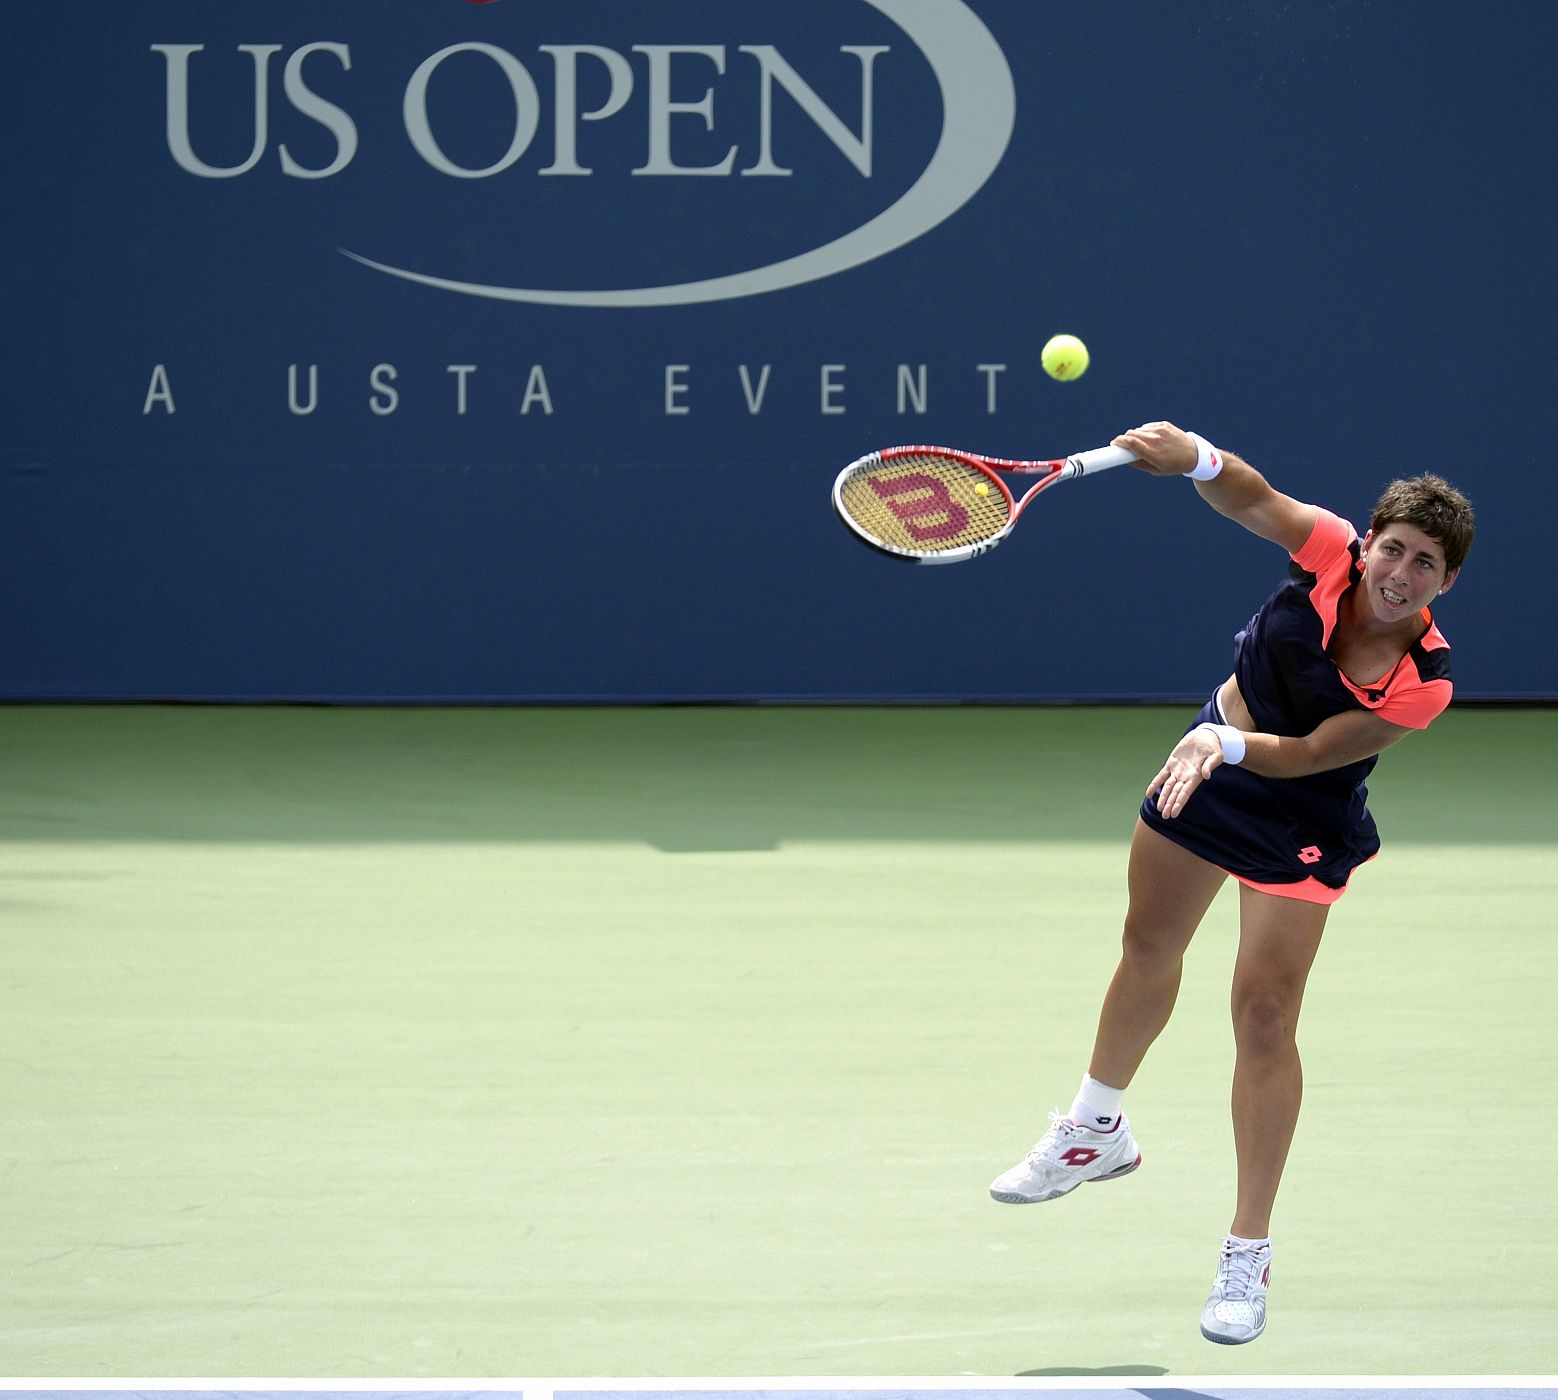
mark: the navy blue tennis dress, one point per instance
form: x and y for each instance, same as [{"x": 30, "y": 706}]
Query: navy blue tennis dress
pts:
[{"x": 1303, "y": 837}]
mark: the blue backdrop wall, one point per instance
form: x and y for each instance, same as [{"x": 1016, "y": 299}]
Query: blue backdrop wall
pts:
[{"x": 439, "y": 350}]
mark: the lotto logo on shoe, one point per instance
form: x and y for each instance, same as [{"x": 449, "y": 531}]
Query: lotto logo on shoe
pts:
[
  {"x": 1079, "y": 1156},
  {"x": 1310, "y": 854}
]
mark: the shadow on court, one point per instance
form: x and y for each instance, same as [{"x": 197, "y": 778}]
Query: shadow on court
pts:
[{"x": 681, "y": 779}]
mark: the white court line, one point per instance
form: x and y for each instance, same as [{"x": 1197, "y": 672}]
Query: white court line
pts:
[{"x": 854, "y": 1387}]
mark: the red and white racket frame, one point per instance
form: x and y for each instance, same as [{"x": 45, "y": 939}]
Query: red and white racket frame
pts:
[{"x": 1053, "y": 471}]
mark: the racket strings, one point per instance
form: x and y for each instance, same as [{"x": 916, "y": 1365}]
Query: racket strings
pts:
[{"x": 925, "y": 503}]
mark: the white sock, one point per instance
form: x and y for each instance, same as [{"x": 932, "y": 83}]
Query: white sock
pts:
[
  {"x": 1239, "y": 1242},
  {"x": 1096, "y": 1106}
]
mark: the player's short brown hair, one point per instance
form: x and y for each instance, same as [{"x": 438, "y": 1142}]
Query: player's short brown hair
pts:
[{"x": 1433, "y": 506}]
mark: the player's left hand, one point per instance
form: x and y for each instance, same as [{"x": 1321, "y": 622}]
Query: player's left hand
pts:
[
  {"x": 1160, "y": 449},
  {"x": 1190, "y": 763}
]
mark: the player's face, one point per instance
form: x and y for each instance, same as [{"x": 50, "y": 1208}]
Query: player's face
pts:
[{"x": 1403, "y": 571}]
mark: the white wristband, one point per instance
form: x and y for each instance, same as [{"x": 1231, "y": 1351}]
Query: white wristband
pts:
[
  {"x": 1209, "y": 461},
  {"x": 1231, "y": 739}
]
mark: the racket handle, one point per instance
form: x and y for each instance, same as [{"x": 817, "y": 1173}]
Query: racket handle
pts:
[{"x": 1097, "y": 460}]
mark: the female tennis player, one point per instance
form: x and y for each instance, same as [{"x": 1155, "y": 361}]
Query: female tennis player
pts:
[{"x": 1267, "y": 786}]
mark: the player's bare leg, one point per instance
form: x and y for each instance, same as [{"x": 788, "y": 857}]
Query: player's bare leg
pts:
[
  {"x": 1170, "y": 892},
  {"x": 1278, "y": 940}
]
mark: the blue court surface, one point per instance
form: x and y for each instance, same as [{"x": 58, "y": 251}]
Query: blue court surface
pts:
[{"x": 1103, "y": 1391}]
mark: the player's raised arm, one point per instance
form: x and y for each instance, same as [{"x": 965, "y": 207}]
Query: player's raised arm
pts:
[{"x": 1229, "y": 484}]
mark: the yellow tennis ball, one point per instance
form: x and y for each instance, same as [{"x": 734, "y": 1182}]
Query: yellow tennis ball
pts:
[
  {"x": 981, "y": 490},
  {"x": 1064, "y": 357}
]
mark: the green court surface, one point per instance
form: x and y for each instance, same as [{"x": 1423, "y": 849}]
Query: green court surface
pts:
[{"x": 685, "y": 1042}]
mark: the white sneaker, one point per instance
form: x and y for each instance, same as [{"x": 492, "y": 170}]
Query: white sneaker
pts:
[
  {"x": 1236, "y": 1311},
  {"x": 1066, "y": 1156}
]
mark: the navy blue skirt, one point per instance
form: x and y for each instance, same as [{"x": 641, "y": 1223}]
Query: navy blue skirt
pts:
[{"x": 1301, "y": 837}]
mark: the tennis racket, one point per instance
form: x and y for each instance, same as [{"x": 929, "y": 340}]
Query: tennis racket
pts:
[{"x": 936, "y": 505}]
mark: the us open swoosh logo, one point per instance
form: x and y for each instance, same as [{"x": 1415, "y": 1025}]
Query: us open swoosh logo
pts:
[{"x": 979, "y": 107}]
